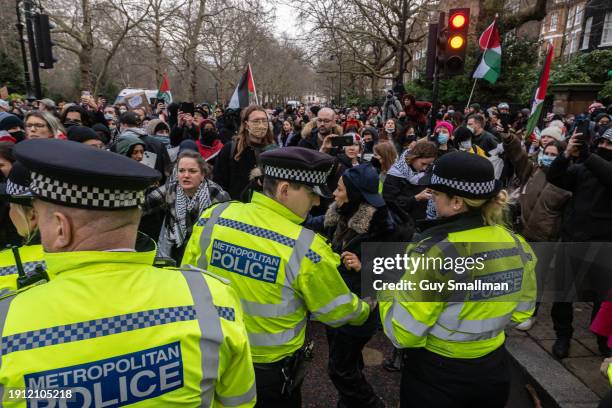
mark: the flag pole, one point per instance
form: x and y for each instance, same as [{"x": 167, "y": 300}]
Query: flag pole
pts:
[
  {"x": 488, "y": 43},
  {"x": 254, "y": 88},
  {"x": 471, "y": 93}
]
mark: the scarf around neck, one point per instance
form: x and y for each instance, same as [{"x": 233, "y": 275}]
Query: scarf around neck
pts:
[
  {"x": 402, "y": 169},
  {"x": 184, "y": 207}
]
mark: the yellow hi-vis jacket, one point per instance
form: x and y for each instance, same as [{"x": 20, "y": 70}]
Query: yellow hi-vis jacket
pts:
[
  {"x": 114, "y": 331},
  {"x": 279, "y": 269},
  {"x": 31, "y": 257},
  {"x": 458, "y": 327}
]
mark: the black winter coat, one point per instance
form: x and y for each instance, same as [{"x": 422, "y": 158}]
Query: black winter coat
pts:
[
  {"x": 402, "y": 193},
  {"x": 588, "y": 215},
  {"x": 232, "y": 175}
]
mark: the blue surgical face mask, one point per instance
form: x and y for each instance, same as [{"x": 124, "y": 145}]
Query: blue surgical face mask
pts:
[
  {"x": 443, "y": 138},
  {"x": 545, "y": 160},
  {"x": 465, "y": 145}
]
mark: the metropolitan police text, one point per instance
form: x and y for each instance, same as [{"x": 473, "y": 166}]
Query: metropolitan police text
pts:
[{"x": 413, "y": 263}]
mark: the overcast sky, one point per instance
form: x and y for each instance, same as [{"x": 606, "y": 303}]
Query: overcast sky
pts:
[{"x": 285, "y": 20}]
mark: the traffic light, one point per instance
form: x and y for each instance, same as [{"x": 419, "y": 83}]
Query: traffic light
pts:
[
  {"x": 44, "y": 45},
  {"x": 456, "y": 40}
]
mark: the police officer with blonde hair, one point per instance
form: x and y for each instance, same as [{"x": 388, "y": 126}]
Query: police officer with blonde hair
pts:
[
  {"x": 453, "y": 336},
  {"x": 110, "y": 329},
  {"x": 280, "y": 270}
]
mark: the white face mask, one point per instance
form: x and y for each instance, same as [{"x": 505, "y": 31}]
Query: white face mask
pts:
[{"x": 471, "y": 129}]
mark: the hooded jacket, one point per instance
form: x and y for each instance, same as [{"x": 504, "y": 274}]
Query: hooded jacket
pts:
[{"x": 156, "y": 155}]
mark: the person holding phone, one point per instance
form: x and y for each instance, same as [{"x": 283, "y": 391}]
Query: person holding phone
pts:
[
  {"x": 185, "y": 128},
  {"x": 588, "y": 219}
]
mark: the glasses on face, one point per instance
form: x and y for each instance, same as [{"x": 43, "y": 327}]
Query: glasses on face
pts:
[
  {"x": 36, "y": 125},
  {"x": 258, "y": 122},
  {"x": 218, "y": 111}
]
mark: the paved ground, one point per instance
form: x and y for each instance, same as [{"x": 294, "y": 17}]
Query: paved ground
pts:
[
  {"x": 319, "y": 392},
  {"x": 572, "y": 382}
]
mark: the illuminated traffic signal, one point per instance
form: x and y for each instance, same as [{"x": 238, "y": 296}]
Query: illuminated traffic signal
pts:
[
  {"x": 44, "y": 45},
  {"x": 457, "y": 32}
]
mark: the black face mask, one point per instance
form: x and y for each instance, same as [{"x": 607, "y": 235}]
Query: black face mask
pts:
[
  {"x": 208, "y": 136},
  {"x": 369, "y": 146},
  {"x": 68, "y": 124},
  {"x": 19, "y": 135},
  {"x": 376, "y": 163},
  {"x": 604, "y": 153}
]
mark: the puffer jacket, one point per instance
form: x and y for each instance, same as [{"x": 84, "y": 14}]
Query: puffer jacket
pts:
[{"x": 541, "y": 202}]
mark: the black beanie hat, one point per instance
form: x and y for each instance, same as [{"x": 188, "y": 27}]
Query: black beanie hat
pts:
[
  {"x": 82, "y": 133},
  {"x": 9, "y": 121}
]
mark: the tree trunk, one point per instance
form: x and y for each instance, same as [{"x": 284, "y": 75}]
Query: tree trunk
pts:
[
  {"x": 87, "y": 46},
  {"x": 192, "y": 66}
]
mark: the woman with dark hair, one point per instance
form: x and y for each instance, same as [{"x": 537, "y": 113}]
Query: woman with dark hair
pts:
[
  {"x": 75, "y": 115},
  {"x": 415, "y": 113},
  {"x": 402, "y": 182},
  {"x": 239, "y": 156},
  {"x": 287, "y": 135},
  {"x": 186, "y": 194},
  {"x": 357, "y": 216}
]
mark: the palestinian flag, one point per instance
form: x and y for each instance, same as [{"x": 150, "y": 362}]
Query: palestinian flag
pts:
[
  {"x": 540, "y": 93},
  {"x": 164, "y": 90},
  {"x": 244, "y": 91},
  {"x": 489, "y": 65}
]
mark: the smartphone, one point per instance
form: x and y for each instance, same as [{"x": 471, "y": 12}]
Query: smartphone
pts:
[
  {"x": 187, "y": 107},
  {"x": 341, "y": 141},
  {"x": 584, "y": 127}
]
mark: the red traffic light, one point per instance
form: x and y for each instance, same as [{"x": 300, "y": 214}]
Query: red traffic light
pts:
[{"x": 457, "y": 20}]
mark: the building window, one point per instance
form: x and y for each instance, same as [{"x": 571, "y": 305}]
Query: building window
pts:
[
  {"x": 606, "y": 35},
  {"x": 570, "y": 17},
  {"x": 554, "y": 19},
  {"x": 579, "y": 15},
  {"x": 587, "y": 33}
]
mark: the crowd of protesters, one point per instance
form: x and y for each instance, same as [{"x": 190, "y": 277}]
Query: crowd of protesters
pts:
[{"x": 559, "y": 177}]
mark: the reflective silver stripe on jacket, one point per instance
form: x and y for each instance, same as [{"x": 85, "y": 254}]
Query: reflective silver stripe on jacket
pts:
[
  {"x": 238, "y": 399},
  {"x": 211, "y": 336},
  {"x": 449, "y": 319},
  {"x": 207, "y": 230},
  {"x": 276, "y": 339},
  {"x": 5, "y": 305},
  {"x": 405, "y": 320},
  {"x": 525, "y": 306}
]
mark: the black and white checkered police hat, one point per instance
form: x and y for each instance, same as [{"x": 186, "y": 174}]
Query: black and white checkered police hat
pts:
[
  {"x": 17, "y": 186},
  {"x": 300, "y": 165},
  {"x": 463, "y": 174},
  {"x": 76, "y": 175}
]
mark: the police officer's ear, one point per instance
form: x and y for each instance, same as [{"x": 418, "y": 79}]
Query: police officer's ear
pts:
[{"x": 282, "y": 189}]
